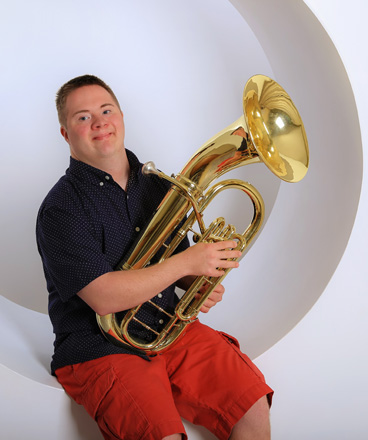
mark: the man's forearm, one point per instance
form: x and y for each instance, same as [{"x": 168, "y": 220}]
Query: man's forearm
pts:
[{"x": 124, "y": 289}]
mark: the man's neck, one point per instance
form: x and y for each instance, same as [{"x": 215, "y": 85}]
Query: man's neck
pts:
[{"x": 118, "y": 167}]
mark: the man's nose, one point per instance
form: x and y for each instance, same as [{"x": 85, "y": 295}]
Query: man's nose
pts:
[{"x": 98, "y": 122}]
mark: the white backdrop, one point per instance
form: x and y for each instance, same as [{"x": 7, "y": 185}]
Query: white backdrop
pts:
[
  {"x": 320, "y": 368},
  {"x": 179, "y": 71}
]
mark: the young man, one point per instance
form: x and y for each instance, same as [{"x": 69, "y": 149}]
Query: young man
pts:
[{"x": 85, "y": 226}]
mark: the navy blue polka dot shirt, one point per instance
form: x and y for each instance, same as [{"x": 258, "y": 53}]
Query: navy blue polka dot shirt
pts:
[{"x": 85, "y": 227}]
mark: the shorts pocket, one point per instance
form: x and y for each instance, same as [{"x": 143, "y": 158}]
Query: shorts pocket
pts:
[
  {"x": 109, "y": 403},
  {"x": 97, "y": 391},
  {"x": 236, "y": 347},
  {"x": 230, "y": 339}
]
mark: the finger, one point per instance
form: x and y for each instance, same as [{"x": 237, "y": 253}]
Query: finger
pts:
[
  {"x": 229, "y": 254},
  {"x": 207, "y": 305},
  {"x": 216, "y": 295},
  {"x": 213, "y": 299},
  {"x": 210, "y": 302},
  {"x": 216, "y": 272},
  {"x": 219, "y": 289},
  {"x": 228, "y": 264},
  {"x": 226, "y": 244},
  {"x": 203, "y": 288}
]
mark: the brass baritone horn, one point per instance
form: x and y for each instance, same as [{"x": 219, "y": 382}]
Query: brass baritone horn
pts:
[{"x": 270, "y": 131}]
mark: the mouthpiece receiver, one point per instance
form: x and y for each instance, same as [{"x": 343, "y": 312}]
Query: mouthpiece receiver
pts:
[{"x": 150, "y": 168}]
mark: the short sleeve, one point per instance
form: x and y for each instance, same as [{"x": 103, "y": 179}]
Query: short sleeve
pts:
[{"x": 71, "y": 252}]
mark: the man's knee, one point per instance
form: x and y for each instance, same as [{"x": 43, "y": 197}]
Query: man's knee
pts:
[
  {"x": 255, "y": 424},
  {"x": 260, "y": 409},
  {"x": 173, "y": 437}
]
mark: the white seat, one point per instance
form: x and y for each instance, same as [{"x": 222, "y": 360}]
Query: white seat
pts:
[{"x": 33, "y": 403}]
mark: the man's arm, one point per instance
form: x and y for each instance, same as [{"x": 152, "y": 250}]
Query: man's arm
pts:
[{"x": 122, "y": 290}]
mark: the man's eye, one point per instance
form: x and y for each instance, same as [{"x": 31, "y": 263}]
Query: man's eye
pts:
[
  {"x": 106, "y": 112},
  {"x": 83, "y": 118}
]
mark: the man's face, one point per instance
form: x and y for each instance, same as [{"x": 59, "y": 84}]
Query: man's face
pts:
[{"x": 94, "y": 127}]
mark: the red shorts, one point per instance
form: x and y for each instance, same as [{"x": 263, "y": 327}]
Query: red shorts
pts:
[{"x": 203, "y": 378}]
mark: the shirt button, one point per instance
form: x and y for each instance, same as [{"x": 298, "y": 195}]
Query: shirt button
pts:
[
  {"x": 137, "y": 229},
  {"x": 161, "y": 321},
  {"x": 107, "y": 177},
  {"x": 101, "y": 184},
  {"x": 160, "y": 295}
]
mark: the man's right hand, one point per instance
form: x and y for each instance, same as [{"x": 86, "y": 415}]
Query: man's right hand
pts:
[{"x": 209, "y": 259}]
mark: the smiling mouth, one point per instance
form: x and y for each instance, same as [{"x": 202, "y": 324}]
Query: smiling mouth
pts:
[{"x": 102, "y": 137}]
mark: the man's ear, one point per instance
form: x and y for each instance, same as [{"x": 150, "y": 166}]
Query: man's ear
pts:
[{"x": 64, "y": 133}]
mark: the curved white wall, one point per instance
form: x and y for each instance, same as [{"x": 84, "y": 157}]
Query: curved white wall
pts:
[
  {"x": 319, "y": 369},
  {"x": 176, "y": 93}
]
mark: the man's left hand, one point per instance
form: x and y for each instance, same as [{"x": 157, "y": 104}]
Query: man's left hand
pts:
[{"x": 213, "y": 299}]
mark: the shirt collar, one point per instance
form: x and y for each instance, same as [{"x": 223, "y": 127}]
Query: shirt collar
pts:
[{"x": 91, "y": 175}]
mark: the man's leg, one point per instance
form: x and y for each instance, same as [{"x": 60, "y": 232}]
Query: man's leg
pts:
[
  {"x": 214, "y": 384},
  {"x": 126, "y": 395},
  {"x": 255, "y": 424}
]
